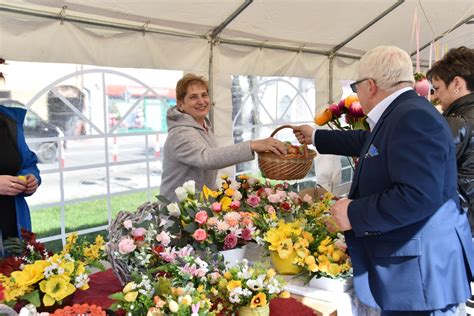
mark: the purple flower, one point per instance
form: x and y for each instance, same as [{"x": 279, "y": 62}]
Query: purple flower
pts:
[
  {"x": 355, "y": 110},
  {"x": 336, "y": 110}
]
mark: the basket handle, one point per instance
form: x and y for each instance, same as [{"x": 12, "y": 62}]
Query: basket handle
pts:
[{"x": 305, "y": 148}]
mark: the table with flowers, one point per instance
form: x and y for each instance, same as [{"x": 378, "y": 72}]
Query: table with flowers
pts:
[{"x": 167, "y": 257}]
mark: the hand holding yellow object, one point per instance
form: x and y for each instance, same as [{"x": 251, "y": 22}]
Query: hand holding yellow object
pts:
[{"x": 22, "y": 178}]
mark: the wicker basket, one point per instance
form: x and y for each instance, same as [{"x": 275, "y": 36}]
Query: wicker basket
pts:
[
  {"x": 285, "y": 168},
  {"x": 117, "y": 232}
]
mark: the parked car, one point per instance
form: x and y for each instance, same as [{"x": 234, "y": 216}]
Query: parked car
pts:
[{"x": 36, "y": 127}]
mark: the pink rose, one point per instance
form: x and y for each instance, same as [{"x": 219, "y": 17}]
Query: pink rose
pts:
[
  {"x": 201, "y": 217},
  {"x": 200, "y": 235},
  {"x": 235, "y": 205},
  {"x": 253, "y": 200},
  {"x": 164, "y": 238},
  {"x": 270, "y": 209},
  {"x": 294, "y": 196},
  {"x": 212, "y": 221},
  {"x": 139, "y": 232},
  {"x": 246, "y": 234},
  {"x": 230, "y": 241},
  {"x": 126, "y": 246},
  {"x": 274, "y": 198},
  {"x": 216, "y": 207},
  {"x": 308, "y": 199},
  {"x": 127, "y": 224}
]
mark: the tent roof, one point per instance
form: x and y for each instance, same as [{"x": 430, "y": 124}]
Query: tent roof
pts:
[{"x": 317, "y": 25}]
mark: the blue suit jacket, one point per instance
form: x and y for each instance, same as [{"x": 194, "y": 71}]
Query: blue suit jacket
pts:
[
  {"x": 410, "y": 244},
  {"x": 28, "y": 164}
]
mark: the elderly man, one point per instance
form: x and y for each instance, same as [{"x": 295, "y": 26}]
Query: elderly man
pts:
[{"x": 409, "y": 241}]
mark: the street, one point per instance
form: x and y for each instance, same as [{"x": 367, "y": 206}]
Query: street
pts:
[{"x": 88, "y": 153}]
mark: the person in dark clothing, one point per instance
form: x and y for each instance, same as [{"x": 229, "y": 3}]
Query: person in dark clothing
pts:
[
  {"x": 19, "y": 174},
  {"x": 452, "y": 79}
]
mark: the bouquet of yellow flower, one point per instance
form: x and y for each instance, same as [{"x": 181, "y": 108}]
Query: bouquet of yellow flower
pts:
[
  {"x": 328, "y": 246},
  {"x": 90, "y": 254},
  {"x": 250, "y": 287},
  {"x": 45, "y": 282},
  {"x": 290, "y": 240}
]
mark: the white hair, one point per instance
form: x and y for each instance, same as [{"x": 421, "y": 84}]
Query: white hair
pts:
[{"x": 389, "y": 66}]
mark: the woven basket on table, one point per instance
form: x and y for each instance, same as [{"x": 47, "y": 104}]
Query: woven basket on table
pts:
[
  {"x": 117, "y": 232},
  {"x": 286, "y": 167}
]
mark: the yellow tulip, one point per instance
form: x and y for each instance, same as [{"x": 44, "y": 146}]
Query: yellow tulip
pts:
[
  {"x": 131, "y": 296},
  {"x": 129, "y": 287},
  {"x": 323, "y": 118},
  {"x": 233, "y": 284}
]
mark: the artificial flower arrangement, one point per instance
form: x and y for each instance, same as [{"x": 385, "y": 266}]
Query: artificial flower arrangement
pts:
[
  {"x": 90, "y": 254},
  {"x": 181, "y": 285},
  {"x": 136, "y": 239},
  {"x": 23, "y": 250},
  {"x": 270, "y": 203},
  {"x": 210, "y": 219},
  {"x": 328, "y": 247},
  {"x": 249, "y": 286},
  {"x": 350, "y": 108},
  {"x": 48, "y": 279}
]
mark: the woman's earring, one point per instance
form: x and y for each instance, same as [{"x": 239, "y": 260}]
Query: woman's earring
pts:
[{"x": 456, "y": 91}]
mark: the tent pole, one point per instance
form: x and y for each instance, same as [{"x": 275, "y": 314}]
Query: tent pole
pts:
[
  {"x": 92, "y": 22},
  {"x": 230, "y": 18},
  {"x": 331, "y": 74},
  {"x": 211, "y": 81},
  {"x": 367, "y": 26}
]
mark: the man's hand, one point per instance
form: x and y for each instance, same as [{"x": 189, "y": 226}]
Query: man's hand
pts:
[
  {"x": 339, "y": 214},
  {"x": 304, "y": 134}
]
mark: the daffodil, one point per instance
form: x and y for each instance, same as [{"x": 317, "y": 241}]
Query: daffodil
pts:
[
  {"x": 258, "y": 300},
  {"x": 56, "y": 288},
  {"x": 31, "y": 273}
]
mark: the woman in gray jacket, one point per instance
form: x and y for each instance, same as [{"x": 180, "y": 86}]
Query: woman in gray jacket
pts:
[{"x": 191, "y": 151}]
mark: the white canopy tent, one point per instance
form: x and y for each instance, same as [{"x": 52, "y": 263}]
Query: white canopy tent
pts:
[{"x": 318, "y": 39}]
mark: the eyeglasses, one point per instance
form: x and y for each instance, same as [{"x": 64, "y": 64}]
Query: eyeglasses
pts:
[{"x": 354, "y": 84}]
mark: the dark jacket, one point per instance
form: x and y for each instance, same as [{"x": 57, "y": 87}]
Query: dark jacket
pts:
[
  {"x": 404, "y": 212},
  {"x": 460, "y": 117},
  {"x": 15, "y": 117}
]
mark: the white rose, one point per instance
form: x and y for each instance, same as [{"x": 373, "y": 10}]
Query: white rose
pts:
[
  {"x": 181, "y": 193},
  {"x": 237, "y": 196},
  {"x": 190, "y": 187},
  {"x": 173, "y": 209},
  {"x": 173, "y": 306}
]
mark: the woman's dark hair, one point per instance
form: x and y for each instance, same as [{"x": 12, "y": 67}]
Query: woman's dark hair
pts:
[{"x": 457, "y": 62}]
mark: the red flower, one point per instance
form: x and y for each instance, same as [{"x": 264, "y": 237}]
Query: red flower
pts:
[
  {"x": 2, "y": 294},
  {"x": 158, "y": 249},
  {"x": 285, "y": 206}
]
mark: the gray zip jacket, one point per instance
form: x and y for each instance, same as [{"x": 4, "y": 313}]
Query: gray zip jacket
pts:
[{"x": 191, "y": 153}]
